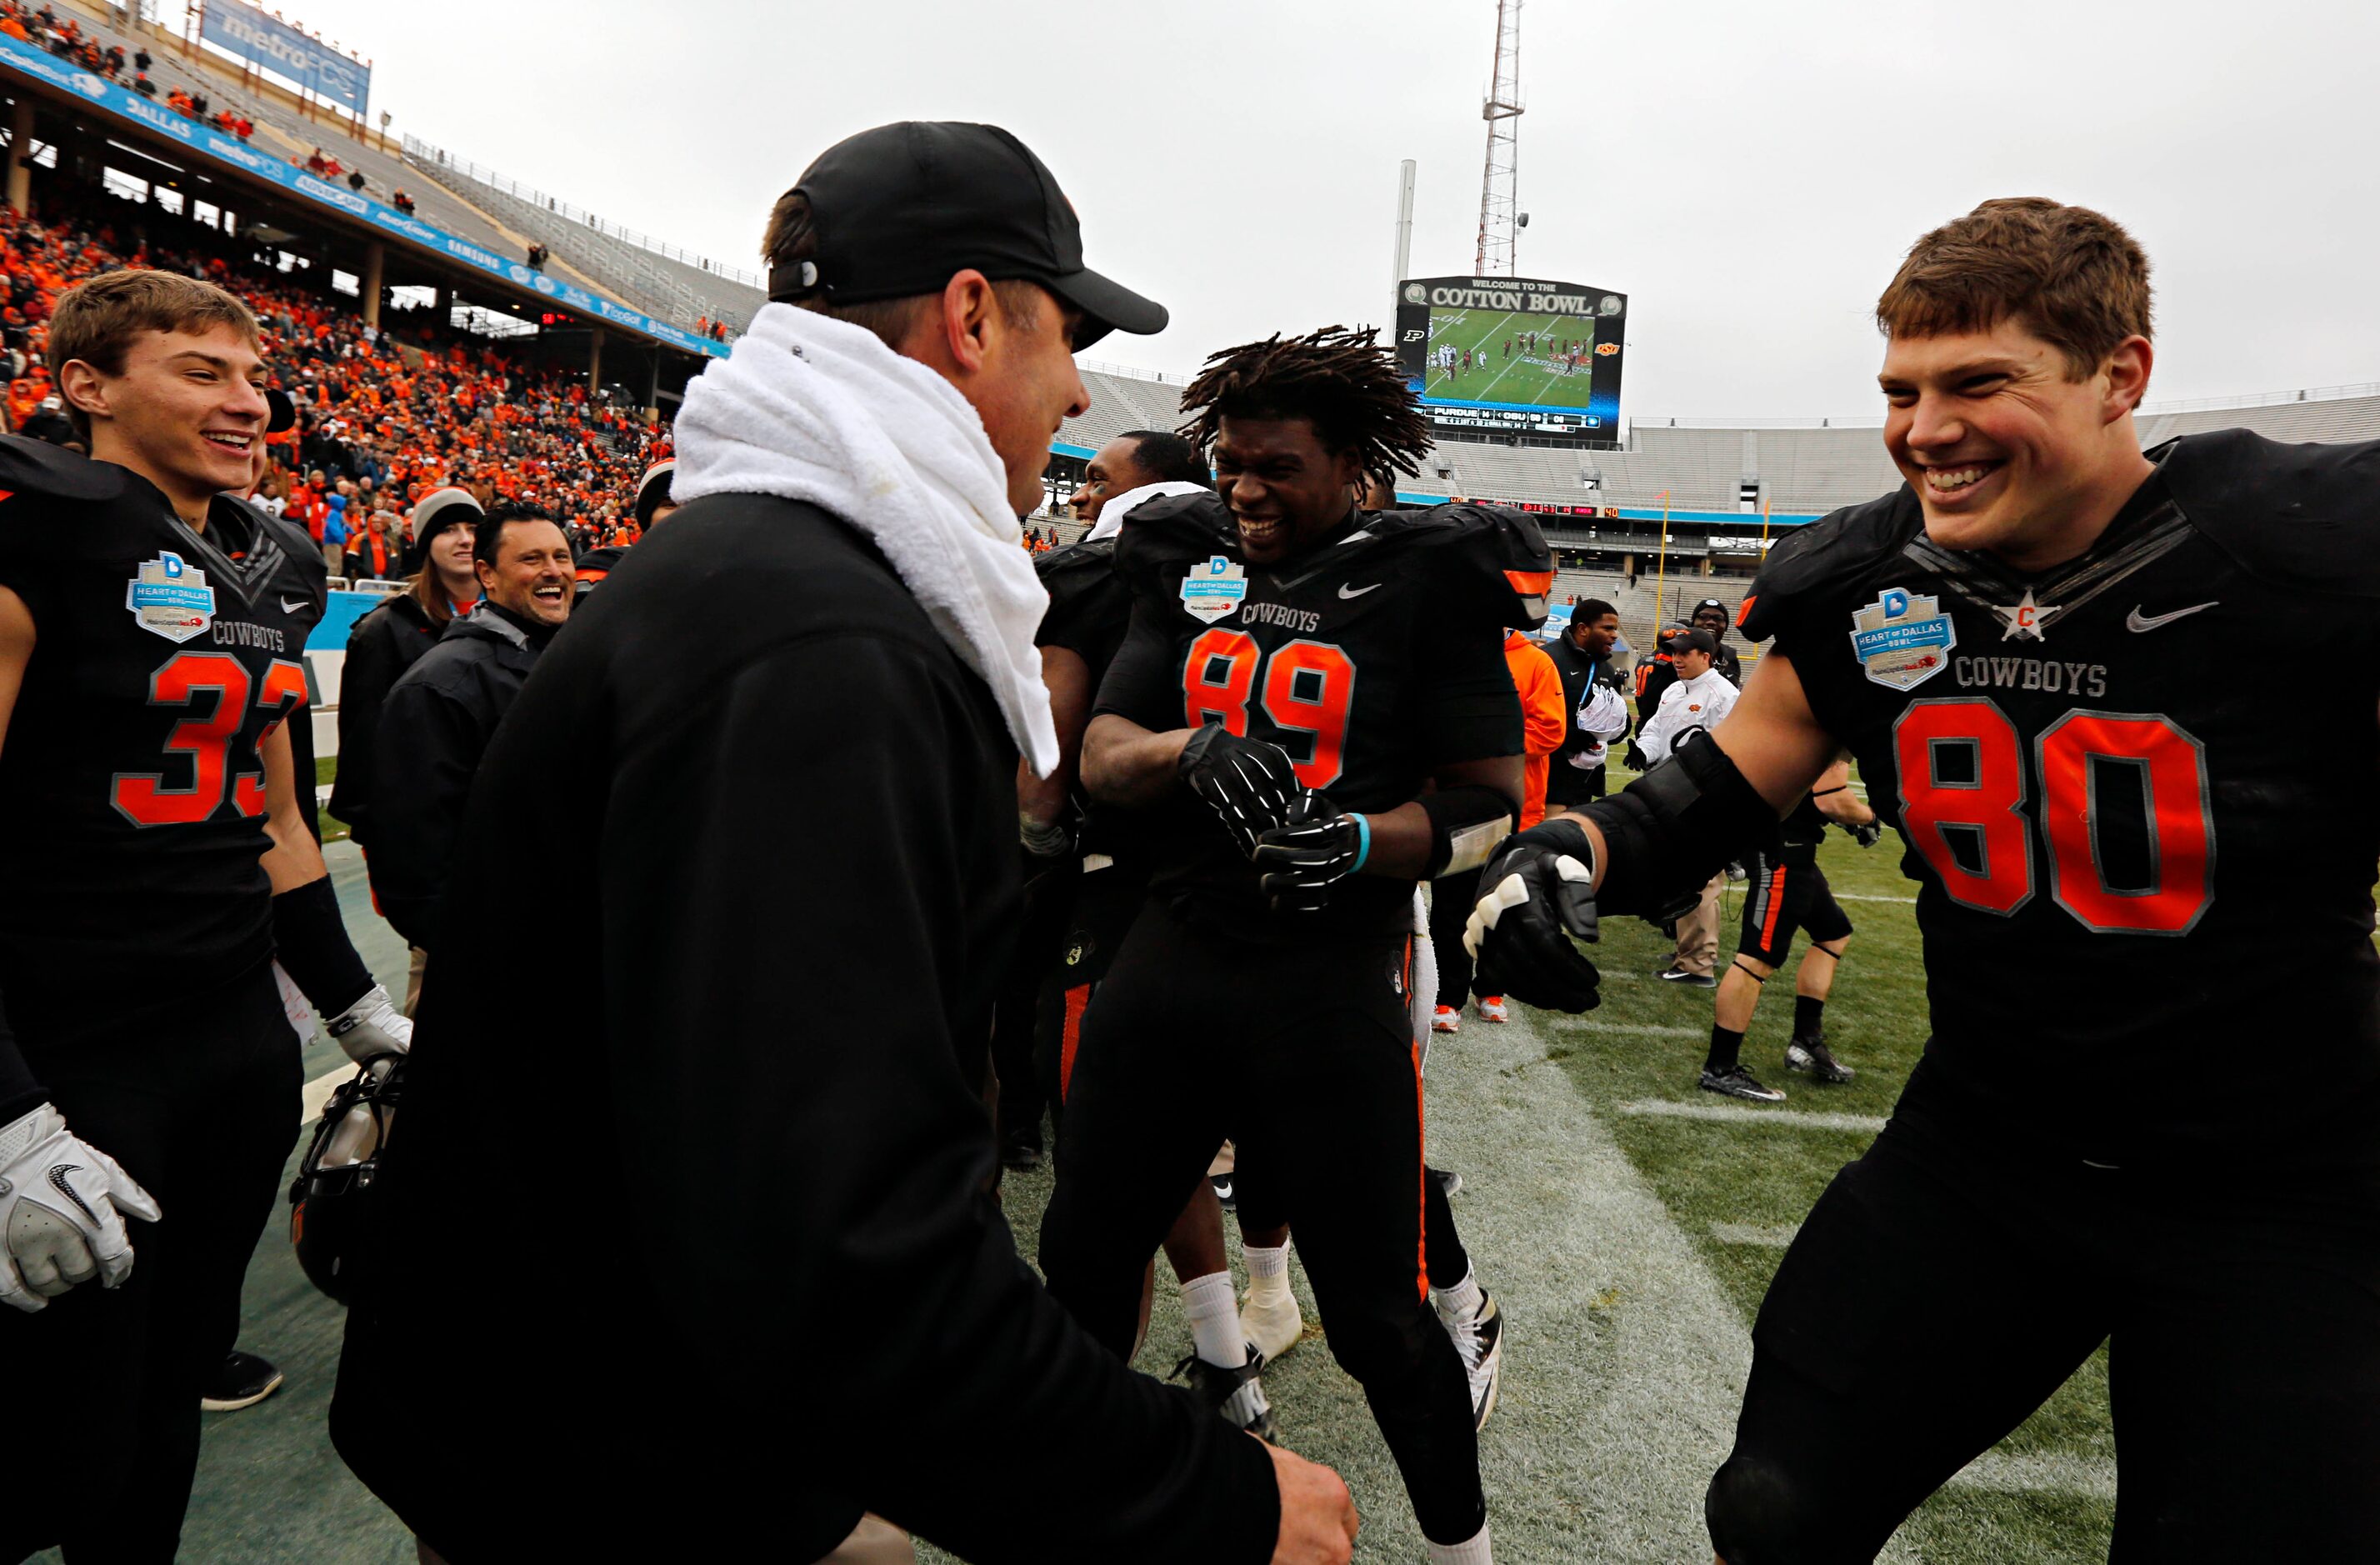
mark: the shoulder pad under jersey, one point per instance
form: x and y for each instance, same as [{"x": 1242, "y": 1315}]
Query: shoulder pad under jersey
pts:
[
  {"x": 1494, "y": 557},
  {"x": 302, "y": 556},
  {"x": 2305, "y": 518},
  {"x": 1071, "y": 572},
  {"x": 35, "y": 466},
  {"x": 1832, "y": 551},
  {"x": 1177, "y": 529}
]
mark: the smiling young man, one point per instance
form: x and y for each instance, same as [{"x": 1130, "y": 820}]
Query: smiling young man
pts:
[
  {"x": 2123, "y": 863},
  {"x": 1311, "y": 712},
  {"x": 157, "y": 863}
]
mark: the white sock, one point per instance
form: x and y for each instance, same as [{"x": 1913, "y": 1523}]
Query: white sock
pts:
[
  {"x": 1266, "y": 1263},
  {"x": 1214, "y": 1315},
  {"x": 1472, "y": 1551},
  {"x": 1458, "y": 1303}
]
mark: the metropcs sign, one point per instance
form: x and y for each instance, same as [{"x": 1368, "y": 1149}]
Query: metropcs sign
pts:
[{"x": 270, "y": 44}]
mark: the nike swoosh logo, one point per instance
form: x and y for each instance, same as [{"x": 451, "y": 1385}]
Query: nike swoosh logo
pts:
[
  {"x": 2137, "y": 621},
  {"x": 1347, "y": 591},
  {"x": 289, "y": 608},
  {"x": 58, "y": 1172}
]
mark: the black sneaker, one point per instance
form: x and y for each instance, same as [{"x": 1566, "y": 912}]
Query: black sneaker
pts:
[
  {"x": 1235, "y": 1395},
  {"x": 1021, "y": 1157},
  {"x": 243, "y": 1381},
  {"x": 1690, "y": 980},
  {"x": 1737, "y": 1082},
  {"x": 1448, "y": 1179},
  {"x": 1223, "y": 1192},
  {"x": 1810, "y": 1056}
]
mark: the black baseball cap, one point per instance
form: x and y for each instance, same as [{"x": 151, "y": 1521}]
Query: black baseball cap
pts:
[
  {"x": 1690, "y": 642},
  {"x": 902, "y": 207}
]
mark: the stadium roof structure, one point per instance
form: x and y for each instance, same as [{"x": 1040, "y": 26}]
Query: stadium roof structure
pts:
[
  {"x": 1700, "y": 471},
  {"x": 448, "y": 235}
]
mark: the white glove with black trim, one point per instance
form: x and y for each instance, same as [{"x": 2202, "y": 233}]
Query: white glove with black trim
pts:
[
  {"x": 373, "y": 1028},
  {"x": 60, "y": 1201}
]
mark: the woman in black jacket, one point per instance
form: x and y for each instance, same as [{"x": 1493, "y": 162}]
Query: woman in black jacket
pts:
[{"x": 393, "y": 637}]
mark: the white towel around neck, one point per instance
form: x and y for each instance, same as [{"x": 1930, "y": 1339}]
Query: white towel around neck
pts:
[{"x": 817, "y": 409}]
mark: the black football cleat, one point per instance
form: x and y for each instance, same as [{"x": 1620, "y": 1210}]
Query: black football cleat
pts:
[
  {"x": 242, "y": 1380},
  {"x": 1812, "y": 1057},
  {"x": 1021, "y": 1157},
  {"x": 1737, "y": 1082},
  {"x": 1224, "y": 1191},
  {"x": 1448, "y": 1180},
  {"x": 1235, "y": 1395}
]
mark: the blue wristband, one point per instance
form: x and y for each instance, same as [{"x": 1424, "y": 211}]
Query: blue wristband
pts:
[{"x": 1362, "y": 842}]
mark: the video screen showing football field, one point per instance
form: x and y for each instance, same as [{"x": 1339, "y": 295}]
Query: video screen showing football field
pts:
[{"x": 1498, "y": 356}]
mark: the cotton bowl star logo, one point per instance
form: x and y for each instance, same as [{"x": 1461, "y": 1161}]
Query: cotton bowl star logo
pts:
[{"x": 2024, "y": 620}]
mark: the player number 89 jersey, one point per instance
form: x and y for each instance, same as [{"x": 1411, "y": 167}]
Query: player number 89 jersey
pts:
[{"x": 1371, "y": 659}]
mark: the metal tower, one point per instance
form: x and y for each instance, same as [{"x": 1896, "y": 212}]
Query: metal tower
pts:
[{"x": 1498, "y": 208}]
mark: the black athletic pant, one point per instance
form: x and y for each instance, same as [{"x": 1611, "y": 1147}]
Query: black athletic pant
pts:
[
  {"x": 1946, "y": 1283},
  {"x": 1451, "y": 898},
  {"x": 1305, "y": 1058},
  {"x": 200, "y": 1106}
]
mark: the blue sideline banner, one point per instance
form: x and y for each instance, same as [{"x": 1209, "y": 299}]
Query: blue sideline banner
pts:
[
  {"x": 272, "y": 44},
  {"x": 27, "y": 60}
]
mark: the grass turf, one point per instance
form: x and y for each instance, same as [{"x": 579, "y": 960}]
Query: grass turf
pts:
[{"x": 1525, "y": 378}]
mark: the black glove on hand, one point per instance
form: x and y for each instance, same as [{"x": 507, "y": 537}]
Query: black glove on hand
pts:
[
  {"x": 1867, "y": 833},
  {"x": 1635, "y": 757},
  {"x": 1249, "y": 782},
  {"x": 1297, "y": 861},
  {"x": 1533, "y": 897}
]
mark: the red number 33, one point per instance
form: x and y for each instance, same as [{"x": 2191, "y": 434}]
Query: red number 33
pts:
[{"x": 146, "y": 800}]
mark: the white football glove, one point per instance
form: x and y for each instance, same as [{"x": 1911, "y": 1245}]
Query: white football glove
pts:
[
  {"x": 373, "y": 1028},
  {"x": 1603, "y": 713},
  {"x": 59, "y": 1204}
]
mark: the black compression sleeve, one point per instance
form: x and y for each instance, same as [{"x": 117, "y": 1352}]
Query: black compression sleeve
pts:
[
  {"x": 314, "y": 948},
  {"x": 1667, "y": 833},
  {"x": 19, "y": 1093}
]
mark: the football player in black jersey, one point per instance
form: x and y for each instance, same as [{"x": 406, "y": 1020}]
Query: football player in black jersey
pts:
[
  {"x": 1788, "y": 893},
  {"x": 1313, "y": 711},
  {"x": 2123, "y": 863},
  {"x": 155, "y": 863}
]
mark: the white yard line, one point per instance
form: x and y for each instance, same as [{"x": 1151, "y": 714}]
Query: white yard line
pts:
[
  {"x": 1647, "y": 1029},
  {"x": 2006, "y": 1473},
  {"x": 1730, "y": 1113},
  {"x": 1776, "y": 1238},
  {"x": 1855, "y": 897}
]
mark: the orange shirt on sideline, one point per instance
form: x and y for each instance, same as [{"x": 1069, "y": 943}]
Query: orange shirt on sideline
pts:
[{"x": 1545, "y": 719}]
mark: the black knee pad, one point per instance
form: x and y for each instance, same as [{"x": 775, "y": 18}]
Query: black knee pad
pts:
[{"x": 1759, "y": 1515}]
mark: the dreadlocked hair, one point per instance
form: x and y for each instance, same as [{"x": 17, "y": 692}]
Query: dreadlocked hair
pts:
[{"x": 1341, "y": 379}]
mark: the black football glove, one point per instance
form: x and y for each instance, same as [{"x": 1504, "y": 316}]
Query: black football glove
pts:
[
  {"x": 1533, "y": 897},
  {"x": 1250, "y": 782},
  {"x": 1867, "y": 833},
  {"x": 1635, "y": 757},
  {"x": 1298, "y": 861}
]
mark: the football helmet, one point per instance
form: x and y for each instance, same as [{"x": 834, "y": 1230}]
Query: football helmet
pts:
[{"x": 330, "y": 1201}]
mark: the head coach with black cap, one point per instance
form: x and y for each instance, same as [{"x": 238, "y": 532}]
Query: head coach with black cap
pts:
[{"x": 782, "y": 740}]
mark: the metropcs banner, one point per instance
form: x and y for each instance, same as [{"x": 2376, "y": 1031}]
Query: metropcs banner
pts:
[
  {"x": 198, "y": 137},
  {"x": 272, "y": 44}
]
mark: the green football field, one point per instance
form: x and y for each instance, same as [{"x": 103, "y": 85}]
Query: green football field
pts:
[
  {"x": 1531, "y": 374},
  {"x": 1627, "y": 1244}
]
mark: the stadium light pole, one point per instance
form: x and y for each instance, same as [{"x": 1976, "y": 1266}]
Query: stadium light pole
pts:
[
  {"x": 1499, "y": 186},
  {"x": 1404, "y": 225},
  {"x": 1661, "y": 571}
]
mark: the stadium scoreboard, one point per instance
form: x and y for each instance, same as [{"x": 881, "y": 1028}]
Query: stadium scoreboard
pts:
[{"x": 1513, "y": 356}]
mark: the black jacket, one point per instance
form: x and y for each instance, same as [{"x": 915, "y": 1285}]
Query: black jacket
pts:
[
  {"x": 1566, "y": 783},
  {"x": 380, "y": 647},
  {"x": 433, "y": 728},
  {"x": 748, "y": 772}
]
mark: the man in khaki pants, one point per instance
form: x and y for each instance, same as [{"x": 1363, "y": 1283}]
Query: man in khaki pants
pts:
[{"x": 1698, "y": 699}]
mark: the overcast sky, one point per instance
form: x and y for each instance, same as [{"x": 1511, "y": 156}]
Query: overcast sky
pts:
[{"x": 1748, "y": 172}]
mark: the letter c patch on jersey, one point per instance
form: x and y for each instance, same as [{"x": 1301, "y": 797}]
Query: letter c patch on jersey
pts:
[{"x": 1904, "y": 638}]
